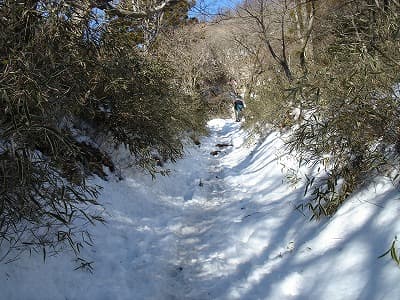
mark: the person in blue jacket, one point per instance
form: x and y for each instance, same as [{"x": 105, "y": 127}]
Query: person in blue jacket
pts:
[{"x": 238, "y": 105}]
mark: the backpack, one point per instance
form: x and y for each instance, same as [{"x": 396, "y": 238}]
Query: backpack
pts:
[{"x": 239, "y": 104}]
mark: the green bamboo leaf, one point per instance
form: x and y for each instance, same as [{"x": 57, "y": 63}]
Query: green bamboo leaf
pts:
[{"x": 384, "y": 254}]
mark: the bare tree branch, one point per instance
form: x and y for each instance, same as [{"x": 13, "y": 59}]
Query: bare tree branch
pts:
[
  {"x": 308, "y": 35},
  {"x": 139, "y": 13}
]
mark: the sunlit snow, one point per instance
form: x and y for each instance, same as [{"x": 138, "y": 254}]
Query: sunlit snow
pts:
[{"x": 222, "y": 227}]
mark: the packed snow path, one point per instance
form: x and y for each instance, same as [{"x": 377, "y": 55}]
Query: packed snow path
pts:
[{"x": 221, "y": 226}]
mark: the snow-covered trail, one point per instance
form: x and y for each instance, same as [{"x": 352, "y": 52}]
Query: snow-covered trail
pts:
[
  {"x": 219, "y": 243},
  {"x": 222, "y": 227},
  {"x": 202, "y": 214}
]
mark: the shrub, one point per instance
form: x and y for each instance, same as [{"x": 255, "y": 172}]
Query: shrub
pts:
[
  {"x": 351, "y": 112},
  {"x": 58, "y": 80}
]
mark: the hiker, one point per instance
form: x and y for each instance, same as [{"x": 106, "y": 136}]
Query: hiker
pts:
[{"x": 238, "y": 105}]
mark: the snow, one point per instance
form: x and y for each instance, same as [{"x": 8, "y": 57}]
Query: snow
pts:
[{"x": 222, "y": 227}]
